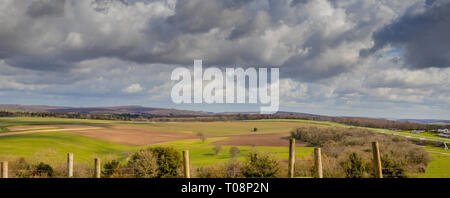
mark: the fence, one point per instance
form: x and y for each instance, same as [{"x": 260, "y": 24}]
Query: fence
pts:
[{"x": 318, "y": 164}]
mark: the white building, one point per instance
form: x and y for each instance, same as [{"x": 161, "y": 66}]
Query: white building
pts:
[{"x": 443, "y": 131}]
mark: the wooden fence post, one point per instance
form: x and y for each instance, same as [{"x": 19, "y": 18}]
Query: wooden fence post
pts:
[
  {"x": 4, "y": 170},
  {"x": 69, "y": 165},
  {"x": 97, "y": 168},
  {"x": 318, "y": 162},
  {"x": 187, "y": 173},
  {"x": 377, "y": 160},
  {"x": 291, "y": 157}
]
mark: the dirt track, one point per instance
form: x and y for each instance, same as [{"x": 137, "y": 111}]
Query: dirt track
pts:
[
  {"x": 33, "y": 127},
  {"x": 51, "y": 130}
]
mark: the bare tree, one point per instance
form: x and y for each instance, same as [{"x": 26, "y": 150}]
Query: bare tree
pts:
[{"x": 202, "y": 137}]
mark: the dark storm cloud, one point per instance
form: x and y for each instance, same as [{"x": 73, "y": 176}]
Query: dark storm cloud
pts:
[
  {"x": 256, "y": 25},
  {"x": 199, "y": 16},
  {"x": 295, "y": 2},
  {"x": 39, "y": 63},
  {"x": 46, "y": 8},
  {"x": 423, "y": 36},
  {"x": 309, "y": 40}
]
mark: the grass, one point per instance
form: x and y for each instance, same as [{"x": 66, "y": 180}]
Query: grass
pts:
[
  {"x": 227, "y": 128},
  {"x": 425, "y": 136},
  {"x": 439, "y": 167},
  {"x": 19, "y": 121},
  {"x": 35, "y": 130},
  {"x": 208, "y": 128},
  {"x": 53, "y": 147},
  {"x": 321, "y": 123},
  {"x": 202, "y": 154},
  {"x": 11, "y": 110},
  {"x": 85, "y": 148}
]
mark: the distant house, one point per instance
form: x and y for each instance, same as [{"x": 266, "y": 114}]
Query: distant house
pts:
[
  {"x": 443, "y": 131},
  {"x": 418, "y": 131}
]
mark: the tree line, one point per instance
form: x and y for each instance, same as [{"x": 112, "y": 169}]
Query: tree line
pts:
[{"x": 352, "y": 121}]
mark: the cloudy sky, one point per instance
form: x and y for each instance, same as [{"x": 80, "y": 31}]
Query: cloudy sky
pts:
[{"x": 385, "y": 58}]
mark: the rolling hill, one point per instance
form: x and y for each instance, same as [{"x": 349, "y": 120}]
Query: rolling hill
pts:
[{"x": 101, "y": 110}]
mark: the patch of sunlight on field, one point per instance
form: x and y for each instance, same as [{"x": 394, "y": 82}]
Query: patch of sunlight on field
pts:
[
  {"x": 326, "y": 123},
  {"x": 439, "y": 166},
  {"x": 18, "y": 121}
]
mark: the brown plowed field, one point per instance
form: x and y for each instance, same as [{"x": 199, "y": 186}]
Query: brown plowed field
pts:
[
  {"x": 125, "y": 134},
  {"x": 139, "y": 136}
]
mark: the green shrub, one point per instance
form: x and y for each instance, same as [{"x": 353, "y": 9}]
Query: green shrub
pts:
[
  {"x": 110, "y": 169},
  {"x": 144, "y": 164},
  {"x": 43, "y": 170},
  {"x": 354, "y": 166},
  {"x": 392, "y": 169},
  {"x": 260, "y": 165},
  {"x": 169, "y": 161}
]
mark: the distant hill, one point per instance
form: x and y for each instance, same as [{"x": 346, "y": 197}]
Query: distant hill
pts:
[
  {"x": 102, "y": 110},
  {"x": 278, "y": 112},
  {"x": 426, "y": 121},
  {"x": 30, "y": 108},
  {"x": 176, "y": 112}
]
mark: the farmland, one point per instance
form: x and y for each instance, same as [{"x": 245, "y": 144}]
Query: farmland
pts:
[
  {"x": 232, "y": 127},
  {"x": 50, "y": 139},
  {"x": 37, "y": 143}
]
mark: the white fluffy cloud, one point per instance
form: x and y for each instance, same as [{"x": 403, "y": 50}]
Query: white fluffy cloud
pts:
[{"x": 134, "y": 88}]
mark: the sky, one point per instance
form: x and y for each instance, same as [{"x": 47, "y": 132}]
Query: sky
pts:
[{"x": 371, "y": 58}]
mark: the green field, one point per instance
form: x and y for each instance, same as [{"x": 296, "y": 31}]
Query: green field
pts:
[
  {"x": 52, "y": 147},
  {"x": 9, "y": 122},
  {"x": 425, "y": 136},
  {"x": 233, "y": 127},
  {"x": 202, "y": 154},
  {"x": 440, "y": 164}
]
